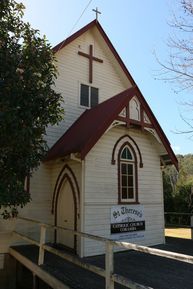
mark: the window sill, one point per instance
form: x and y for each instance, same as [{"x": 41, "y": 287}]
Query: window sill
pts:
[{"x": 128, "y": 203}]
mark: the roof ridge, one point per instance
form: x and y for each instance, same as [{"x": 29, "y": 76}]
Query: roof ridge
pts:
[
  {"x": 73, "y": 36},
  {"x": 96, "y": 23}
]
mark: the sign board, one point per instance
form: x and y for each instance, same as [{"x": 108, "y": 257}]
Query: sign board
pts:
[{"x": 127, "y": 222}]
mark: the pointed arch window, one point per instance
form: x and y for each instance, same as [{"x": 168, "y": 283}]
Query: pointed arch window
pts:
[{"x": 127, "y": 175}]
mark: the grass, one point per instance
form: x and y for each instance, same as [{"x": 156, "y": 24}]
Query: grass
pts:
[{"x": 178, "y": 233}]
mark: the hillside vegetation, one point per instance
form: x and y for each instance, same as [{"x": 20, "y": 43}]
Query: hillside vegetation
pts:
[{"x": 178, "y": 186}]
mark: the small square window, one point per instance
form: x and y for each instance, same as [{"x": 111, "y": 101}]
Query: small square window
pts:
[{"x": 89, "y": 96}]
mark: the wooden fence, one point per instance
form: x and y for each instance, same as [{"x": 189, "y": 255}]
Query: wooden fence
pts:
[
  {"x": 176, "y": 220},
  {"x": 108, "y": 272}
]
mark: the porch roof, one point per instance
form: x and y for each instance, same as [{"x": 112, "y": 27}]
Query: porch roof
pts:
[{"x": 91, "y": 125}]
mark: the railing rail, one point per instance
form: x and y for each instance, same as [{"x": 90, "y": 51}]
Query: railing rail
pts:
[
  {"x": 108, "y": 272},
  {"x": 177, "y": 213}
]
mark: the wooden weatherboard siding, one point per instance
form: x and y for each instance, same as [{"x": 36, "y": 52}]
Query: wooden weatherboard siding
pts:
[
  {"x": 101, "y": 188},
  {"x": 94, "y": 180},
  {"x": 73, "y": 70},
  {"x": 39, "y": 208}
]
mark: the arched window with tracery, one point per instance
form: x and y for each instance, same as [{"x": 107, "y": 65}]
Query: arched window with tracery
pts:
[{"x": 127, "y": 163}]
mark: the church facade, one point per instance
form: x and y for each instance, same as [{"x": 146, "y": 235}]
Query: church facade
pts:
[{"x": 102, "y": 174}]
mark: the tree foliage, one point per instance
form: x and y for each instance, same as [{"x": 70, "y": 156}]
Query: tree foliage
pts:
[
  {"x": 178, "y": 190},
  {"x": 28, "y": 103},
  {"x": 178, "y": 187}
]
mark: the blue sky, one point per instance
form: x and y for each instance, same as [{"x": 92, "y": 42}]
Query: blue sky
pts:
[{"x": 136, "y": 28}]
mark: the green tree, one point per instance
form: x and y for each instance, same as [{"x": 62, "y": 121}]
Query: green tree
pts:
[
  {"x": 178, "y": 188},
  {"x": 168, "y": 193},
  {"x": 28, "y": 103}
]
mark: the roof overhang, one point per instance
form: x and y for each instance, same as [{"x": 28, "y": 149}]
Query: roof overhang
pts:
[
  {"x": 75, "y": 142},
  {"x": 92, "y": 124}
]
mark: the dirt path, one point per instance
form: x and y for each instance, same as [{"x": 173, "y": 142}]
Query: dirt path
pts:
[{"x": 178, "y": 233}]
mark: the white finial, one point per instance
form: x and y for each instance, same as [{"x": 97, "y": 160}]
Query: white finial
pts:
[{"x": 97, "y": 12}]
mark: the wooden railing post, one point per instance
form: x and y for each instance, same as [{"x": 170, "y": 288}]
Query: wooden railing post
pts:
[
  {"x": 42, "y": 242},
  {"x": 34, "y": 286},
  {"x": 109, "y": 266},
  {"x": 191, "y": 224}
]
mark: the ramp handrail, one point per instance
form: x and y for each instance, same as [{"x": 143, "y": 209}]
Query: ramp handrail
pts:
[{"x": 108, "y": 272}]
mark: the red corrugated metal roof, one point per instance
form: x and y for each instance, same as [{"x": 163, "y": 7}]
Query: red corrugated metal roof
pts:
[
  {"x": 89, "y": 127},
  {"x": 85, "y": 132}
]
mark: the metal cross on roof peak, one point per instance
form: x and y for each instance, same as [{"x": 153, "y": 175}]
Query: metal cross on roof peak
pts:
[{"x": 97, "y": 12}]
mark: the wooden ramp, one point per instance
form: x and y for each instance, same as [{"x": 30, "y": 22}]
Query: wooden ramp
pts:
[
  {"x": 143, "y": 268},
  {"x": 36, "y": 270},
  {"x": 160, "y": 267},
  {"x": 55, "y": 271}
]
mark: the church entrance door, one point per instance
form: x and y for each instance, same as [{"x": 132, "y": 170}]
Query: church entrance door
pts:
[{"x": 66, "y": 215}]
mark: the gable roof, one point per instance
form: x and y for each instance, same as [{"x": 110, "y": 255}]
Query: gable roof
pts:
[
  {"x": 80, "y": 137},
  {"x": 92, "y": 124},
  {"x": 89, "y": 127},
  {"x": 96, "y": 24}
]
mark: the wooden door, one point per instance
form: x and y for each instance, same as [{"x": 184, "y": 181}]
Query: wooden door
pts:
[{"x": 66, "y": 215}]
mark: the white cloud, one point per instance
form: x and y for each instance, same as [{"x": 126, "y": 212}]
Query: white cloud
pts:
[{"x": 176, "y": 148}]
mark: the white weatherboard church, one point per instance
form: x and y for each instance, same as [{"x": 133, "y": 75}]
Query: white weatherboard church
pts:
[{"x": 102, "y": 174}]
